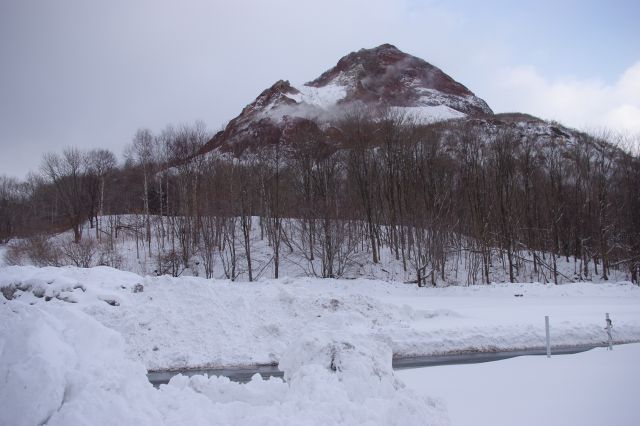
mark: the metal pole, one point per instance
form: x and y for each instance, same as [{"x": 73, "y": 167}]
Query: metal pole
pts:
[
  {"x": 609, "y": 333},
  {"x": 546, "y": 326}
]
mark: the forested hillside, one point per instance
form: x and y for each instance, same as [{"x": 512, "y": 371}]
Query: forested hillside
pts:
[{"x": 506, "y": 196}]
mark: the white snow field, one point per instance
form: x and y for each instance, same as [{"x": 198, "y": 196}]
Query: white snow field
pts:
[
  {"x": 597, "y": 387},
  {"x": 75, "y": 344}
]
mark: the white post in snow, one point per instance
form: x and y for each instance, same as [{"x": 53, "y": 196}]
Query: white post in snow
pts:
[
  {"x": 609, "y": 334},
  {"x": 546, "y": 326}
]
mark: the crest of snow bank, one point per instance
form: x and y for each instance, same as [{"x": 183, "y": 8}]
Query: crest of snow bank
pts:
[{"x": 61, "y": 367}]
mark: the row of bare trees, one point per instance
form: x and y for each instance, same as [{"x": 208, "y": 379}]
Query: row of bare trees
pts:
[
  {"x": 497, "y": 204},
  {"x": 69, "y": 191}
]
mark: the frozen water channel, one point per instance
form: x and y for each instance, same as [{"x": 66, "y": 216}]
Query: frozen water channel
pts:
[{"x": 244, "y": 374}]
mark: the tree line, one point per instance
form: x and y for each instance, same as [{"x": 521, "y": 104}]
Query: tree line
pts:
[{"x": 429, "y": 197}]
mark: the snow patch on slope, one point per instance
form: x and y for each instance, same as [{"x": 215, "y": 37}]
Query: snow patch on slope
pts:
[
  {"x": 430, "y": 114},
  {"x": 324, "y": 97},
  {"x": 324, "y": 103},
  {"x": 314, "y": 103}
]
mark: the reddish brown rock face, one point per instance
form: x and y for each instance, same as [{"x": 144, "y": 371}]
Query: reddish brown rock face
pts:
[
  {"x": 380, "y": 77},
  {"x": 253, "y": 127},
  {"x": 389, "y": 75}
]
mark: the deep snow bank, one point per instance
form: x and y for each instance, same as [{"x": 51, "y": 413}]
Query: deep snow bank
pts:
[
  {"x": 329, "y": 380},
  {"x": 193, "y": 322},
  {"x": 61, "y": 367}
]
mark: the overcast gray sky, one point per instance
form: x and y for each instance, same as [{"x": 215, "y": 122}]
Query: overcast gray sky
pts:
[{"x": 89, "y": 73}]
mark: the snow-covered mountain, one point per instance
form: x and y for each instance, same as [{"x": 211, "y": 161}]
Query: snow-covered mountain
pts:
[{"x": 382, "y": 77}]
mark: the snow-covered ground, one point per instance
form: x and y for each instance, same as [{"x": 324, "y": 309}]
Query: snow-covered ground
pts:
[
  {"x": 131, "y": 252},
  {"x": 597, "y": 387},
  {"x": 59, "y": 366},
  {"x": 75, "y": 343},
  {"x": 193, "y": 322}
]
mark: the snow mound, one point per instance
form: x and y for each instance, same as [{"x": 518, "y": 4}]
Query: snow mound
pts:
[
  {"x": 61, "y": 367},
  {"x": 328, "y": 380},
  {"x": 358, "y": 364}
]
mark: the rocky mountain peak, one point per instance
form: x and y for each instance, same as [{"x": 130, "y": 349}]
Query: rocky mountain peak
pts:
[
  {"x": 380, "y": 77},
  {"x": 273, "y": 97},
  {"x": 388, "y": 76}
]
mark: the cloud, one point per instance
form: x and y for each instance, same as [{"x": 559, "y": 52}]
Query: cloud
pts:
[
  {"x": 85, "y": 74},
  {"x": 580, "y": 103},
  {"x": 88, "y": 74}
]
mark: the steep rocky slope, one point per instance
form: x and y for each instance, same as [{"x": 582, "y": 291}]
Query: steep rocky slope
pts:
[{"x": 380, "y": 78}]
